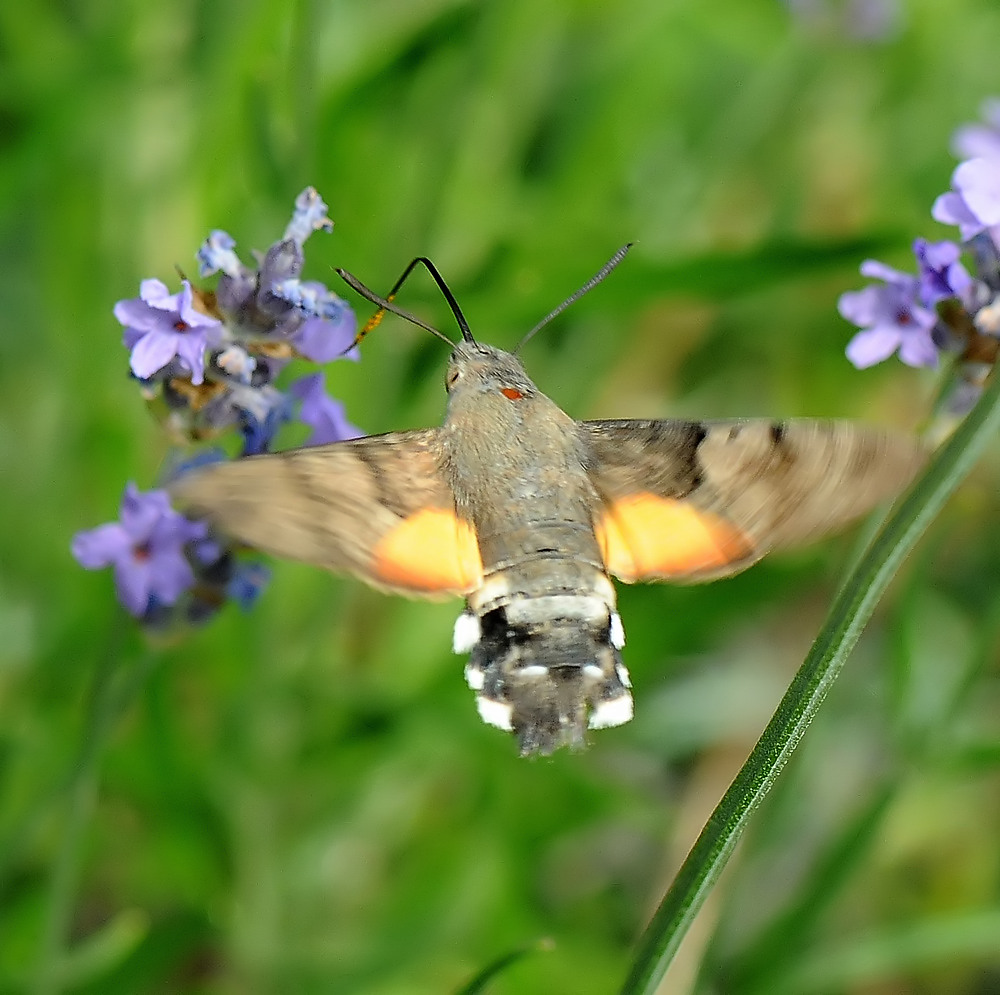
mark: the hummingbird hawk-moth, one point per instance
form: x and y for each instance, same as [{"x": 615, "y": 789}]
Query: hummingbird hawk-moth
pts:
[{"x": 527, "y": 513}]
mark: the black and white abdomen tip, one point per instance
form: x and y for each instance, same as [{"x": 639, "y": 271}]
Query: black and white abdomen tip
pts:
[{"x": 547, "y": 679}]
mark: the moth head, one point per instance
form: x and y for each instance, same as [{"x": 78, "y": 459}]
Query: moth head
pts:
[{"x": 475, "y": 369}]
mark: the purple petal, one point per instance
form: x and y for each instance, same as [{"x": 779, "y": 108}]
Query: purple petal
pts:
[
  {"x": 951, "y": 209},
  {"x": 140, "y": 511},
  {"x": 170, "y": 574},
  {"x": 190, "y": 349},
  {"x": 152, "y": 352},
  {"x": 130, "y": 336},
  {"x": 133, "y": 582},
  {"x": 134, "y": 313},
  {"x": 873, "y": 345},
  {"x": 323, "y": 341},
  {"x": 206, "y": 552},
  {"x": 156, "y": 294},
  {"x": 936, "y": 255},
  {"x": 976, "y": 141},
  {"x": 861, "y": 307},
  {"x": 978, "y": 181},
  {"x": 941, "y": 274},
  {"x": 190, "y": 315},
  {"x": 880, "y": 271},
  {"x": 918, "y": 349},
  {"x": 146, "y": 549},
  {"x": 100, "y": 547},
  {"x": 323, "y": 414}
]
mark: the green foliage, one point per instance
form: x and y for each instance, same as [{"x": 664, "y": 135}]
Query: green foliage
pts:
[{"x": 303, "y": 799}]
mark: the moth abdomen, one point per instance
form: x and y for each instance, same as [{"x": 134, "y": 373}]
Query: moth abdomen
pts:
[{"x": 547, "y": 668}]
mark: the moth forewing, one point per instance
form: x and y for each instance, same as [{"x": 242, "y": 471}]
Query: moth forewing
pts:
[
  {"x": 379, "y": 508},
  {"x": 787, "y": 483},
  {"x": 693, "y": 501}
]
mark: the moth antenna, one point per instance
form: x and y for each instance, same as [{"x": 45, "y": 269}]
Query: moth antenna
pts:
[
  {"x": 376, "y": 319},
  {"x": 589, "y": 285},
  {"x": 463, "y": 325},
  {"x": 383, "y": 305}
]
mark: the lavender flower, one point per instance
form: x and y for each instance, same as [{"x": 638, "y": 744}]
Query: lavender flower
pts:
[
  {"x": 214, "y": 374},
  {"x": 145, "y": 548},
  {"x": 209, "y": 360},
  {"x": 975, "y": 141},
  {"x": 160, "y": 326},
  {"x": 891, "y": 317},
  {"x": 941, "y": 274},
  {"x": 974, "y": 202},
  {"x": 325, "y": 415},
  {"x": 944, "y": 307}
]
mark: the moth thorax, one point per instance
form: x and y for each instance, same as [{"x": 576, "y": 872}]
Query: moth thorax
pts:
[{"x": 547, "y": 668}]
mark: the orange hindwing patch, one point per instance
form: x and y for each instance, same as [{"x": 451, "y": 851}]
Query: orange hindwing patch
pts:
[
  {"x": 643, "y": 536},
  {"x": 431, "y": 551}
]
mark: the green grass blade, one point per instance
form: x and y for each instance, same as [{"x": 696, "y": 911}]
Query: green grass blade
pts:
[
  {"x": 848, "y": 616},
  {"x": 753, "y": 969},
  {"x": 487, "y": 974},
  {"x": 897, "y": 951}
]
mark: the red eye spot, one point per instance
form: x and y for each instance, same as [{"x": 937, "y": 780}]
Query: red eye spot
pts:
[{"x": 511, "y": 394}]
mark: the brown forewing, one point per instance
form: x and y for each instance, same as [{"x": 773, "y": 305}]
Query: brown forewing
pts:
[
  {"x": 327, "y": 505},
  {"x": 779, "y": 483}
]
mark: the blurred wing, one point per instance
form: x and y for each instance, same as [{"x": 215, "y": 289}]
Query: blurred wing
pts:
[
  {"x": 691, "y": 501},
  {"x": 378, "y": 507}
]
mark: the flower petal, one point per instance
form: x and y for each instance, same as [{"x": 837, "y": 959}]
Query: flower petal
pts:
[
  {"x": 133, "y": 584},
  {"x": 156, "y": 294},
  {"x": 151, "y": 353},
  {"x": 100, "y": 547},
  {"x": 873, "y": 345},
  {"x": 978, "y": 181}
]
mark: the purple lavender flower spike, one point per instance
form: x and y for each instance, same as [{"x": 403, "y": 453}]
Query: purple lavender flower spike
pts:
[
  {"x": 974, "y": 141},
  {"x": 941, "y": 274},
  {"x": 974, "y": 202},
  {"x": 322, "y": 413},
  {"x": 309, "y": 216},
  {"x": 891, "y": 318},
  {"x": 160, "y": 326},
  {"x": 146, "y": 550}
]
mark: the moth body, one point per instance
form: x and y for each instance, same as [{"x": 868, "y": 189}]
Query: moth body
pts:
[{"x": 544, "y": 663}]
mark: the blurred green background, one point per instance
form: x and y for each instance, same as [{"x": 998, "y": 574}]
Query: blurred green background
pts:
[{"x": 303, "y": 799}]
